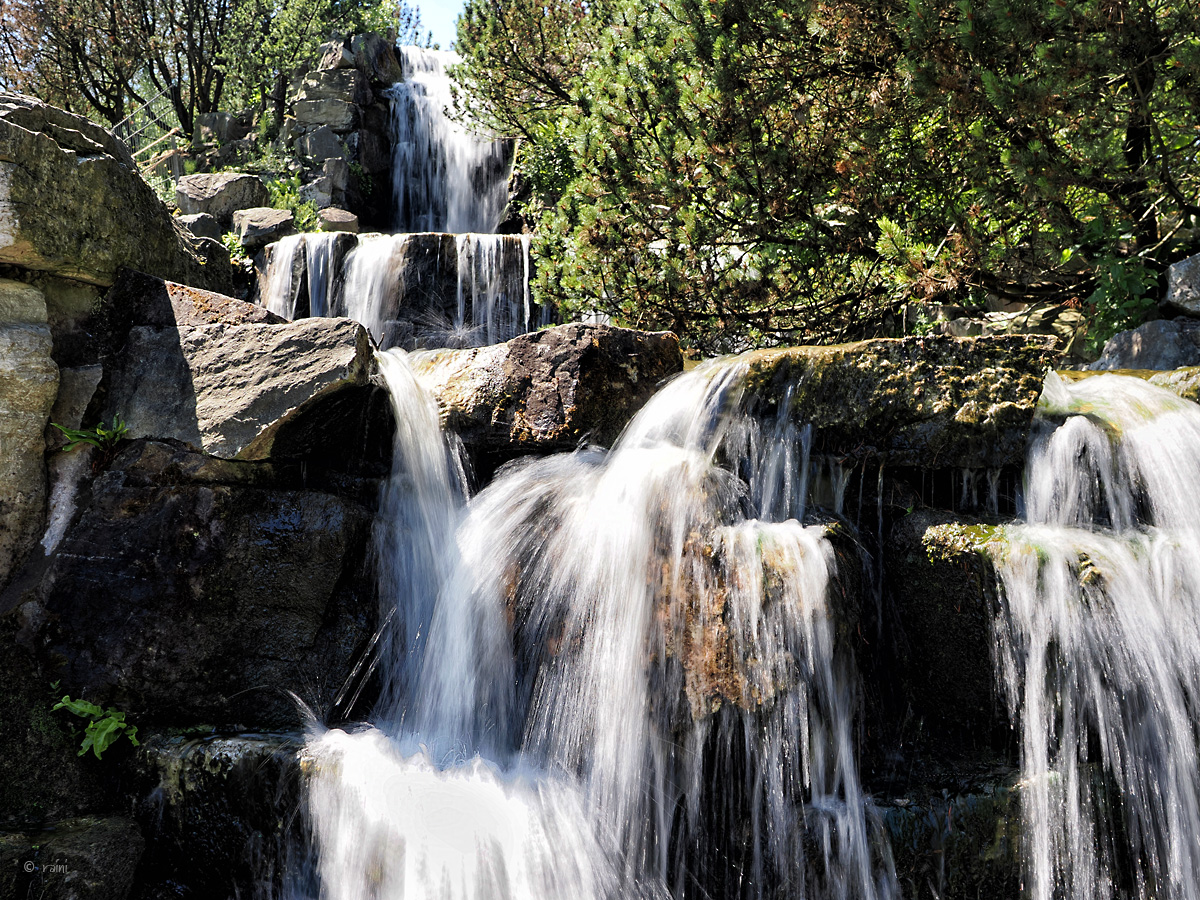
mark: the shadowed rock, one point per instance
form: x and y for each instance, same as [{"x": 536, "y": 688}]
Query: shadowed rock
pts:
[{"x": 194, "y": 590}]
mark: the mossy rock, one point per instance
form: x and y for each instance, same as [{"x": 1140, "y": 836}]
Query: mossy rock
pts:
[{"x": 927, "y": 402}]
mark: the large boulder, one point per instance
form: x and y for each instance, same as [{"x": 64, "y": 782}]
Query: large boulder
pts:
[
  {"x": 261, "y": 225},
  {"x": 339, "y": 115},
  {"x": 347, "y": 85},
  {"x": 73, "y": 204},
  {"x": 192, "y": 590},
  {"x": 1161, "y": 344},
  {"x": 923, "y": 402},
  {"x": 241, "y": 391},
  {"x": 549, "y": 390},
  {"x": 220, "y": 194},
  {"x": 28, "y": 387}
]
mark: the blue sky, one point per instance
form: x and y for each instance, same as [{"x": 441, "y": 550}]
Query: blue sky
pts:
[{"x": 439, "y": 16}]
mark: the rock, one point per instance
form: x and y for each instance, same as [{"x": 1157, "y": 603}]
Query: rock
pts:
[
  {"x": 1162, "y": 344},
  {"x": 79, "y": 859},
  {"x": 961, "y": 842},
  {"x": 219, "y": 128},
  {"x": 192, "y": 590},
  {"x": 337, "y": 170},
  {"x": 335, "y": 55},
  {"x": 944, "y": 588},
  {"x": 320, "y": 145},
  {"x": 220, "y": 194},
  {"x": 346, "y": 85},
  {"x": 202, "y": 225},
  {"x": 259, "y": 226},
  {"x": 140, "y": 299},
  {"x": 69, "y": 192},
  {"x": 1183, "y": 286},
  {"x": 219, "y": 811},
  {"x": 920, "y": 401},
  {"x": 549, "y": 390},
  {"x": 236, "y": 390},
  {"x": 318, "y": 192},
  {"x": 376, "y": 56},
  {"x": 338, "y": 115},
  {"x": 43, "y": 776},
  {"x": 28, "y": 386},
  {"x": 333, "y": 219}
]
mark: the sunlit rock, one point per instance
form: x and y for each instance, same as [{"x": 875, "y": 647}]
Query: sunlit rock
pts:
[
  {"x": 28, "y": 387},
  {"x": 551, "y": 389},
  {"x": 69, "y": 192}
]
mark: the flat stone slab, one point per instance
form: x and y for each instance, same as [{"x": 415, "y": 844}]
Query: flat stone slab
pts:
[
  {"x": 261, "y": 225},
  {"x": 229, "y": 389},
  {"x": 220, "y": 194},
  {"x": 147, "y": 300}
]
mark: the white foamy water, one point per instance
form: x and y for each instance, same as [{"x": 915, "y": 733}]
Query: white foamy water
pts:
[
  {"x": 628, "y": 684},
  {"x": 1099, "y": 643}
]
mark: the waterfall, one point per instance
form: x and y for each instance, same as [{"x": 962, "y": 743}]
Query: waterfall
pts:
[
  {"x": 1098, "y": 642},
  {"x": 621, "y": 678},
  {"x": 408, "y": 290},
  {"x": 421, "y": 288},
  {"x": 445, "y": 178}
]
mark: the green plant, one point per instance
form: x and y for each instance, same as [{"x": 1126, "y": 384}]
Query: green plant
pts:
[
  {"x": 104, "y": 725},
  {"x": 285, "y": 194},
  {"x": 103, "y": 437},
  {"x": 233, "y": 243}
]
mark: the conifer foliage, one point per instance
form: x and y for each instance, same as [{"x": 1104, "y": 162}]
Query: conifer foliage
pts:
[{"x": 761, "y": 171}]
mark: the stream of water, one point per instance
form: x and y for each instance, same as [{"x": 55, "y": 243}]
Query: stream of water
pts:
[
  {"x": 420, "y": 287},
  {"x": 1099, "y": 643},
  {"x": 614, "y": 675}
]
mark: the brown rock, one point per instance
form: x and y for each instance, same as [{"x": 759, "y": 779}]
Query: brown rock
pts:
[{"x": 548, "y": 390}]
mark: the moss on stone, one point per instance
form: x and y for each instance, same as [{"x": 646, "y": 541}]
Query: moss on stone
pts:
[{"x": 924, "y": 402}]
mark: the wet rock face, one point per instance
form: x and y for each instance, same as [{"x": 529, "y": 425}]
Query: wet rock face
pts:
[
  {"x": 69, "y": 192},
  {"x": 924, "y": 402},
  {"x": 944, "y": 588},
  {"x": 193, "y": 590},
  {"x": 547, "y": 391},
  {"x": 220, "y": 812}
]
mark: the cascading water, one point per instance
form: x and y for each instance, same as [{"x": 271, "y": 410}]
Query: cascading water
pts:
[
  {"x": 411, "y": 289},
  {"x": 445, "y": 178},
  {"x": 1099, "y": 643},
  {"x": 620, "y": 678}
]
